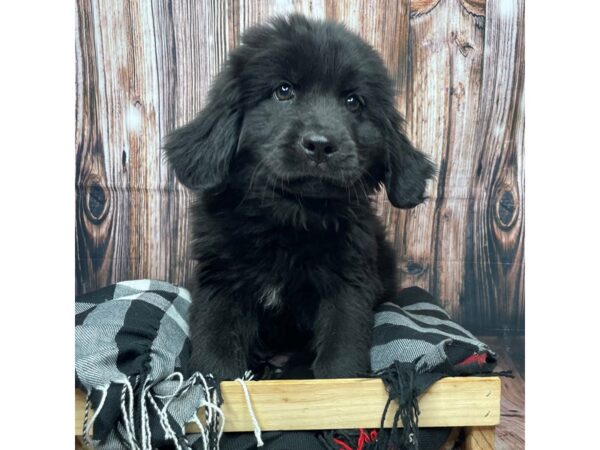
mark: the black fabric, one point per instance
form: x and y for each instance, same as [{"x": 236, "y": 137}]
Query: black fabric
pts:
[
  {"x": 430, "y": 439},
  {"x": 274, "y": 440}
]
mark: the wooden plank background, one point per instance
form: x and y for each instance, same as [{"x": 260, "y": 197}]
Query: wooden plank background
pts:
[{"x": 144, "y": 67}]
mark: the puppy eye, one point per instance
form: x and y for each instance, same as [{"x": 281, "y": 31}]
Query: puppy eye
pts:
[
  {"x": 285, "y": 91},
  {"x": 353, "y": 103}
]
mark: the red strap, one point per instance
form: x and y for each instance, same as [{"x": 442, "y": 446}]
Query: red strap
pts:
[
  {"x": 361, "y": 440},
  {"x": 342, "y": 444}
]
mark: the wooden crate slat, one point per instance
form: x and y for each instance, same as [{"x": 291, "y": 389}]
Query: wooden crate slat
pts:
[{"x": 348, "y": 403}]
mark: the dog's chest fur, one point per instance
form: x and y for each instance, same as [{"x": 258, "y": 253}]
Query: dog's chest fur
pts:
[
  {"x": 280, "y": 274},
  {"x": 271, "y": 296}
]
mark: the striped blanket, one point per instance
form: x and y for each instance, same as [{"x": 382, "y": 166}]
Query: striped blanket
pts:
[
  {"x": 414, "y": 329},
  {"x": 415, "y": 343},
  {"x": 132, "y": 349}
]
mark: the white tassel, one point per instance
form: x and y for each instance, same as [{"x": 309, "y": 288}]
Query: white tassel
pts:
[
  {"x": 146, "y": 431},
  {"x": 87, "y": 426},
  {"x": 128, "y": 414},
  {"x": 257, "y": 432},
  {"x": 164, "y": 421}
]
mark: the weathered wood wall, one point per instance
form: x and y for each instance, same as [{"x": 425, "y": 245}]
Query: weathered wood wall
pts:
[{"x": 144, "y": 67}]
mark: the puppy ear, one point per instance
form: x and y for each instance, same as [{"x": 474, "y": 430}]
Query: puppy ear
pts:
[
  {"x": 407, "y": 170},
  {"x": 201, "y": 151}
]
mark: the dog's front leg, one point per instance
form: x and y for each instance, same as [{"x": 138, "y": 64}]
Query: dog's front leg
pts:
[
  {"x": 343, "y": 332},
  {"x": 220, "y": 337}
]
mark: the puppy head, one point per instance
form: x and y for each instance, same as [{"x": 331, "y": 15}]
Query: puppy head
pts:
[{"x": 306, "y": 107}]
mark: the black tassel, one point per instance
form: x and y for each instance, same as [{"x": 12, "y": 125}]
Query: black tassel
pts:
[
  {"x": 399, "y": 380},
  {"x": 213, "y": 430}
]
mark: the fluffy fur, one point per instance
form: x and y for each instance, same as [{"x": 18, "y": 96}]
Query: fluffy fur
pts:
[{"x": 299, "y": 131}]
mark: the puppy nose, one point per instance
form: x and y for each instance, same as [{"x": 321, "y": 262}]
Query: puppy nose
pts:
[{"x": 318, "y": 147}]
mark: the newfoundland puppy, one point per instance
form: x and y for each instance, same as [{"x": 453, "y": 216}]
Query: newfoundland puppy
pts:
[{"x": 298, "y": 133}]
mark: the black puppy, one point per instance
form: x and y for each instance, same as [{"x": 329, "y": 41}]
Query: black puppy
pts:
[{"x": 300, "y": 129}]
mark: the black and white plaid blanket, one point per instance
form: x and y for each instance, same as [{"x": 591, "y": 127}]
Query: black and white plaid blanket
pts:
[
  {"x": 132, "y": 347},
  {"x": 131, "y": 358}
]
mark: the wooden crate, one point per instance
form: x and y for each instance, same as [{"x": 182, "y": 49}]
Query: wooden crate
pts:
[{"x": 471, "y": 402}]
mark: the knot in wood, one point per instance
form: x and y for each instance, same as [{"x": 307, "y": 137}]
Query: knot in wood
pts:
[
  {"x": 413, "y": 268},
  {"x": 96, "y": 202},
  {"x": 506, "y": 209},
  {"x": 464, "y": 46}
]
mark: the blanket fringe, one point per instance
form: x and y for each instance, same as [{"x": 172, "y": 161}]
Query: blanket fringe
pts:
[
  {"x": 135, "y": 429},
  {"x": 213, "y": 415},
  {"x": 88, "y": 425},
  {"x": 399, "y": 380}
]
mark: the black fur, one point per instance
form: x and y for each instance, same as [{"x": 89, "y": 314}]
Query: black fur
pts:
[{"x": 290, "y": 255}]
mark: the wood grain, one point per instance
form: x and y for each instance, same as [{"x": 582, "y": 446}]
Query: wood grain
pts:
[
  {"x": 510, "y": 433},
  {"x": 445, "y": 58},
  {"x": 480, "y": 438},
  {"x": 419, "y": 7},
  {"x": 348, "y": 403},
  {"x": 494, "y": 264},
  {"x": 144, "y": 68},
  {"x": 102, "y": 228}
]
